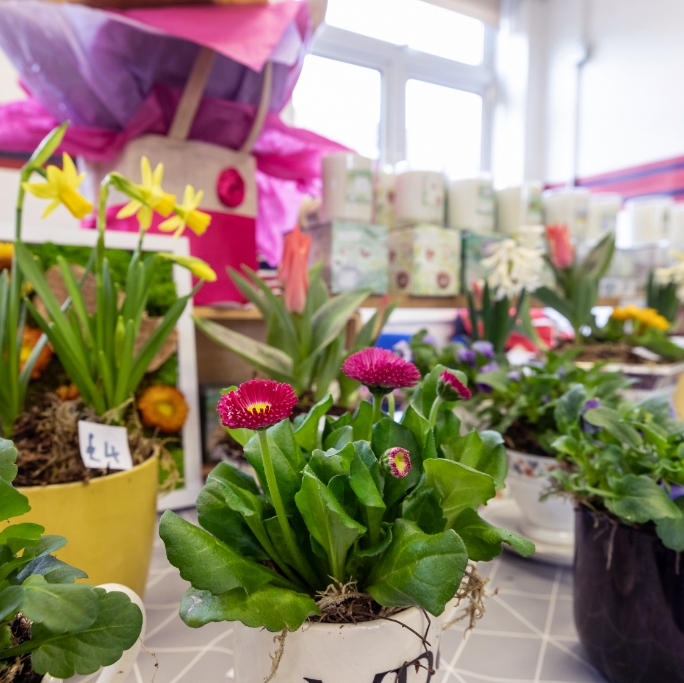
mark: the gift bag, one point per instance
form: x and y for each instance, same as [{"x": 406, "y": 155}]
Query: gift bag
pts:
[{"x": 227, "y": 177}]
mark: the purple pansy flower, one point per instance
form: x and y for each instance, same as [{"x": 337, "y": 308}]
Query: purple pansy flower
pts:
[
  {"x": 466, "y": 356},
  {"x": 490, "y": 367},
  {"x": 586, "y": 427},
  {"x": 484, "y": 348},
  {"x": 515, "y": 375}
]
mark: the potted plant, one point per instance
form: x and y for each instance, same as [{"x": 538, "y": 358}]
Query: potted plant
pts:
[
  {"x": 103, "y": 355},
  {"x": 526, "y": 406},
  {"x": 354, "y": 538},
  {"x": 627, "y": 479},
  {"x": 50, "y": 625},
  {"x": 635, "y": 341}
]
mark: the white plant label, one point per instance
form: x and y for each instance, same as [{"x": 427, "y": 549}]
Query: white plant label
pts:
[{"x": 104, "y": 447}]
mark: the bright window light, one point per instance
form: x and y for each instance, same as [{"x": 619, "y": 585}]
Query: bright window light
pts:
[
  {"x": 417, "y": 24},
  {"x": 443, "y": 129},
  {"x": 340, "y": 101}
]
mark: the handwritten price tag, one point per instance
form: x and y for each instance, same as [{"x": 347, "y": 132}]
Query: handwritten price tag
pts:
[{"x": 104, "y": 447}]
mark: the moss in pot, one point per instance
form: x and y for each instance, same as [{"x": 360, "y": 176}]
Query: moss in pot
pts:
[
  {"x": 354, "y": 539},
  {"x": 48, "y": 623},
  {"x": 627, "y": 479}
]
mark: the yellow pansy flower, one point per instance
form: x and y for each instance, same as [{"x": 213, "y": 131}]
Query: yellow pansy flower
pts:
[
  {"x": 187, "y": 214},
  {"x": 61, "y": 187},
  {"x": 154, "y": 198}
]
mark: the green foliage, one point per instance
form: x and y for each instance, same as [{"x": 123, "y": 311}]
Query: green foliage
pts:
[
  {"x": 345, "y": 517},
  {"x": 75, "y": 628},
  {"x": 662, "y": 297},
  {"x": 628, "y": 462},
  {"x": 540, "y": 399},
  {"x": 305, "y": 350},
  {"x": 576, "y": 289}
]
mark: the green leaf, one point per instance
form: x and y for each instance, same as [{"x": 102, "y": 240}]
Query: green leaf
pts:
[
  {"x": 115, "y": 630},
  {"x": 339, "y": 438},
  {"x": 460, "y": 487},
  {"x": 224, "y": 472},
  {"x": 549, "y": 298},
  {"x": 229, "y": 526},
  {"x": 54, "y": 570},
  {"x": 306, "y": 434},
  {"x": 48, "y": 146},
  {"x": 242, "y": 436},
  {"x": 10, "y": 601},
  {"x": 419, "y": 569},
  {"x": 569, "y": 407},
  {"x": 59, "y": 607},
  {"x": 327, "y": 522},
  {"x": 610, "y": 420},
  {"x": 362, "y": 422},
  {"x": 332, "y": 317},
  {"x": 209, "y": 564},
  {"x": 484, "y": 540},
  {"x": 426, "y": 393},
  {"x": 275, "y": 363},
  {"x": 597, "y": 261},
  {"x": 288, "y": 461},
  {"x": 389, "y": 434},
  {"x": 424, "y": 508},
  {"x": 274, "y": 609},
  {"x": 8, "y": 458},
  {"x": 363, "y": 483},
  {"x": 18, "y": 536},
  {"x": 12, "y": 503},
  {"x": 670, "y": 530},
  {"x": 641, "y": 500},
  {"x": 332, "y": 462}
]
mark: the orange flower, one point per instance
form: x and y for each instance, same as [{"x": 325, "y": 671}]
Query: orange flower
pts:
[
  {"x": 6, "y": 253},
  {"x": 30, "y": 339},
  {"x": 561, "y": 251},
  {"x": 293, "y": 271},
  {"x": 163, "y": 407},
  {"x": 68, "y": 392}
]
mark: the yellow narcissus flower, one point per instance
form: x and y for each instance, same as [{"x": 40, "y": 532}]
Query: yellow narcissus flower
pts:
[
  {"x": 646, "y": 316},
  {"x": 154, "y": 198},
  {"x": 196, "y": 266},
  {"x": 188, "y": 214},
  {"x": 6, "y": 254},
  {"x": 61, "y": 188},
  {"x": 163, "y": 407}
]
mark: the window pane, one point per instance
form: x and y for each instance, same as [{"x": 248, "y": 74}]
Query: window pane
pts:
[
  {"x": 417, "y": 24},
  {"x": 443, "y": 129},
  {"x": 340, "y": 101}
]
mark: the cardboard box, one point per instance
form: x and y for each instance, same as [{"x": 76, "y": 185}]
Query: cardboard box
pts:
[
  {"x": 354, "y": 255},
  {"x": 425, "y": 261}
]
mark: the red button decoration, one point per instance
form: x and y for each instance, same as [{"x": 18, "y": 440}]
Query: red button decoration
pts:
[{"x": 230, "y": 188}]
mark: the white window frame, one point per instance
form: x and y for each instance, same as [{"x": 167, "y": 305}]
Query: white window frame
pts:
[{"x": 397, "y": 65}]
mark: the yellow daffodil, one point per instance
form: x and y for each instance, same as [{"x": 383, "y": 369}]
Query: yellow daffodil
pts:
[
  {"x": 187, "y": 214},
  {"x": 646, "y": 316},
  {"x": 61, "y": 187},
  {"x": 154, "y": 198},
  {"x": 195, "y": 265}
]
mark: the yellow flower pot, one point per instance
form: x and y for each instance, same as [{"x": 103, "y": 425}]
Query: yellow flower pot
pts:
[{"x": 109, "y": 523}]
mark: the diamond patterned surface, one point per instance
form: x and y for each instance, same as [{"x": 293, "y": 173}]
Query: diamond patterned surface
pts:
[{"x": 526, "y": 636}]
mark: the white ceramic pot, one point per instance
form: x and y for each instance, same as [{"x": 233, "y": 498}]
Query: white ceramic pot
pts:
[
  {"x": 117, "y": 672},
  {"x": 548, "y": 521},
  {"x": 372, "y": 652}
]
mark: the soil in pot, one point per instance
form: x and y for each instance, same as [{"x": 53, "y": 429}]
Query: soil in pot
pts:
[
  {"x": 613, "y": 352},
  {"x": 523, "y": 436},
  {"x": 18, "y": 670},
  {"x": 628, "y": 600}
]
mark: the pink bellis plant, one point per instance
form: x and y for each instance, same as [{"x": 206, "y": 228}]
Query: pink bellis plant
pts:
[{"x": 391, "y": 507}]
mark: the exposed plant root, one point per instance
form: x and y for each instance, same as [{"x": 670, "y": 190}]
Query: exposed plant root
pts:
[
  {"x": 19, "y": 670},
  {"x": 46, "y": 438},
  {"x": 343, "y": 604},
  {"x": 278, "y": 655},
  {"x": 472, "y": 589}
]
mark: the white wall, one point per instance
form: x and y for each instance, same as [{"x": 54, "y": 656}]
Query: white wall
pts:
[{"x": 632, "y": 86}]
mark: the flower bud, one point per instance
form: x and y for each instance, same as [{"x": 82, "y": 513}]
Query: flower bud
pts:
[
  {"x": 450, "y": 387},
  {"x": 399, "y": 461}
]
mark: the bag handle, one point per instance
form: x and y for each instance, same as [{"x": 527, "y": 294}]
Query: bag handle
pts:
[{"x": 192, "y": 96}]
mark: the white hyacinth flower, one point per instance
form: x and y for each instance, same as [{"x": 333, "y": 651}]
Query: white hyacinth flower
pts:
[
  {"x": 673, "y": 274},
  {"x": 513, "y": 268}
]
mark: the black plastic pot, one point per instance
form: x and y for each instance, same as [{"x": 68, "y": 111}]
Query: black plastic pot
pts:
[{"x": 628, "y": 601}]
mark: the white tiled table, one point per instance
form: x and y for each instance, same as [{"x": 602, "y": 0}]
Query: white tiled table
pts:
[{"x": 526, "y": 636}]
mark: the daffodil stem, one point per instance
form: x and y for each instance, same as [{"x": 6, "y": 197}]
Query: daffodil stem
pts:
[
  {"x": 377, "y": 407},
  {"x": 301, "y": 564},
  {"x": 434, "y": 411}
]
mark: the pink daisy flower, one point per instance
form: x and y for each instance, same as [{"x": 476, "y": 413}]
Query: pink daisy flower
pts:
[
  {"x": 450, "y": 387},
  {"x": 399, "y": 461},
  {"x": 380, "y": 370},
  {"x": 257, "y": 404}
]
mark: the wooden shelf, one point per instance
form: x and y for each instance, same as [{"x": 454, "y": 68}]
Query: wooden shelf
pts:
[{"x": 220, "y": 313}]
